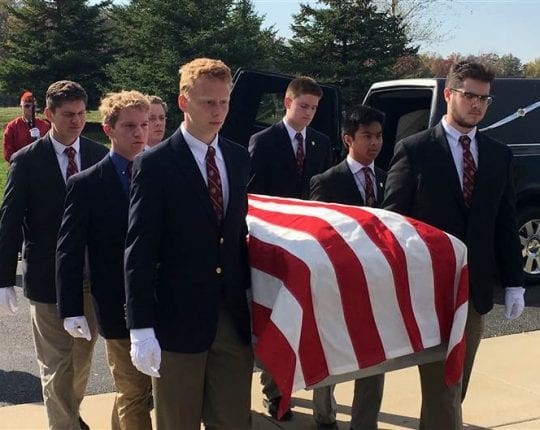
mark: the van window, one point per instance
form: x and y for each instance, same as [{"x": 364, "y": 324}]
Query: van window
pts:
[
  {"x": 407, "y": 112},
  {"x": 270, "y": 109}
]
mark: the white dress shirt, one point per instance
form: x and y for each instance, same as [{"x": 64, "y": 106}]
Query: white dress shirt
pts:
[
  {"x": 62, "y": 157},
  {"x": 359, "y": 178},
  {"x": 452, "y": 136},
  {"x": 199, "y": 150},
  {"x": 292, "y": 135}
]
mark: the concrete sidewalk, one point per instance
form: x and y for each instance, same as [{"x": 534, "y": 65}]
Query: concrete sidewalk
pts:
[{"x": 504, "y": 394}]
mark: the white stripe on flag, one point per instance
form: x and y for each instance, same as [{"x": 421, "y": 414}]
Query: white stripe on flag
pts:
[
  {"x": 287, "y": 317},
  {"x": 265, "y": 296},
  {"x": 333, "y": 332},
  {"x": 420, "y": 275}
]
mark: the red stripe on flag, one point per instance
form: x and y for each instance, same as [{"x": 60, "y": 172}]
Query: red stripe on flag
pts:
[
  {"x": 351, "y": 281},
  {"x": 279, "y": 360},
  {"x": 295, "y": 275},
  {"x": 454, "y": 361},
  {"x": 260, "y": 317},
  {"x": 443, "y": 263}
]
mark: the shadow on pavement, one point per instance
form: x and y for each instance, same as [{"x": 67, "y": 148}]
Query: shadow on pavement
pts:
[{"x": 19, "y": 387}]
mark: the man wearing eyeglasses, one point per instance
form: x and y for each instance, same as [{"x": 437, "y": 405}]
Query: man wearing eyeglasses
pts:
[
  {"x": 459, "y": 180},
  {"x": 23, "y": 130}
]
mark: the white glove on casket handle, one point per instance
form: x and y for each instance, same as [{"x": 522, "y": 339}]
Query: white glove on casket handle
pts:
[
  {"x": 145, "y": 351},
  {"x": 77, "y": 327},
  {"x": 8, "y": 300},
  {"x": 514, "y": 302}
]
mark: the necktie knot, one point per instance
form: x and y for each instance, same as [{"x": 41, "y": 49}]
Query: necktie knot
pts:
[
  {"x": 70, "y": 152},
  {"x": 211, "y": 152},
  {"x": 465, "y": 142}
]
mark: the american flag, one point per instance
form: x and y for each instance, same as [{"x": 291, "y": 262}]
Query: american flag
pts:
[{"x": 340, "y": 288}]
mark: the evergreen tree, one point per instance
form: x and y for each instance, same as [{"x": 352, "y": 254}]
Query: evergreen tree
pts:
[
  {"x": 48, "y": 40},
  {"x": 157, "y": 36},
  {"x": 349, "y": 43}
]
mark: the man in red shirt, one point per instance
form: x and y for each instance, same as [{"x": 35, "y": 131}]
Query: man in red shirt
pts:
[{"x": 25, "y": 129}]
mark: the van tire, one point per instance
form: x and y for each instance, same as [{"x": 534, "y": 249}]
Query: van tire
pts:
[{"x": 529, "y": 236}]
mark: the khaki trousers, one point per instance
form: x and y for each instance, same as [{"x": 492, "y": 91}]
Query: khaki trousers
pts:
[
  {"x": 213, "y": 386},
  {"x": 131, "y": 410},
  {"x": 441, "y": 405},
  {"x": 64, "y": 363},
  {"x": 366, "y": 403}
]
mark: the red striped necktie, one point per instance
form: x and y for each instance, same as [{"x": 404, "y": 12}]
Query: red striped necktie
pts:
[
  {"x": 469, "y": 169},
  {"x": 214, "y": 183},
  {"x": 72, "y": 165},
  {"x": 300, "y": 154},
  {"x": 369, "y": 192}
]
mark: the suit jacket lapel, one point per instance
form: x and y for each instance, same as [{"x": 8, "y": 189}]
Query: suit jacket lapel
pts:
[
  {"x": 114, "y": 191},
  {"x": 284, "y": 141},
  {"x": 380, "y": 179},
  {"x": 50, "y": 159},
  {"x": 232, "y": 176},
  {"x": 483, "y": 170},
  {"x": 447, "y": 167},
  {"x": 189, "y": 169},
  {"x": 347, "y": 184}
]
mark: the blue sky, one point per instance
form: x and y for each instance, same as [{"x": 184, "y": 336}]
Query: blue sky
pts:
[{"x": 471, "y": 27}]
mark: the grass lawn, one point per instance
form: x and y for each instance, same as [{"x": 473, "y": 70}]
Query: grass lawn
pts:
[{"x": 92, "y": 131}]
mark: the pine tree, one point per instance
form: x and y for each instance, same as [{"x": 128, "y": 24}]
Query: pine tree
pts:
[
  {"x": 157, "y": 36},
  {"x": 349, "y": 43},
  {"x": 48, "y": 40}
]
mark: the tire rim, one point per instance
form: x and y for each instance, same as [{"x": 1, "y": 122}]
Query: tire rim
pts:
[{"x": 529, "y": 236}]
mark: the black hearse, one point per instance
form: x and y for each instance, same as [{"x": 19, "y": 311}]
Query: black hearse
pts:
[{"x": 412, "y": 105}]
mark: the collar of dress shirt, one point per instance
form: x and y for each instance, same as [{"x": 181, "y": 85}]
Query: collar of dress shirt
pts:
[
  {"x": 453, "y": 135},
  {"x": 355, "y": 166},
  {"x": 292, "y": 132},
  {"x": 199, "y": 148},
  {"x": 59, "y": 147},
  {"x": 120, "y": 163}
]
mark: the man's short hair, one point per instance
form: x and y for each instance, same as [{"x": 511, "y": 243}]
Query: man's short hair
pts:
[
  {"x": 64, "y": 91},
  {"x": 155, "y": 100},
  {"x": 359, "y": 115},
  {"x": 207, "y": 67},
  {"x": 113, "y": 103},
  {"x": 303, "y": 85},
  {"x": 468, "y": 70}
]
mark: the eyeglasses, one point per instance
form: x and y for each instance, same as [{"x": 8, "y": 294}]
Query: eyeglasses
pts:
[{"x": 486, "y": 100}]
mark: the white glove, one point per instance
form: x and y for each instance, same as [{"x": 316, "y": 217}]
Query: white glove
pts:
[
  {"x": 514, "y": 303},
  {"x": 34, "y": 132},
  {"x": 145, "y": 351},
  {"x": 8, "y": 300},
  {"x": 77, "y": 327}
]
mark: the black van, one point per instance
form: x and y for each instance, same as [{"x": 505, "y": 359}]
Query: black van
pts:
[{"x": 413, "y": 105}]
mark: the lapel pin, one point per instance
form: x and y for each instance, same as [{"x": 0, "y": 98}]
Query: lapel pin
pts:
[
  {"x": 312, "y": 143},
  {"x": 380, "y": 184}
]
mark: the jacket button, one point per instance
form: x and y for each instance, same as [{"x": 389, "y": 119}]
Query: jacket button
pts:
[
  {"x": 218, "y": 270},
  {"x": 221, "y": 240}
]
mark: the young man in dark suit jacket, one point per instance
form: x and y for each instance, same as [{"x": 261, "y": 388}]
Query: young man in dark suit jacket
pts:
[
  {"x": 186, "y": 264},
  {"x": 34, "y": 204},
  {"x": 95, "y": 220},
  {"x": 284, "y": 157},
  {"x": 459, "y": 180},
  {"x": 354, "y": 181},
  {"x": 287, "y": 154}
]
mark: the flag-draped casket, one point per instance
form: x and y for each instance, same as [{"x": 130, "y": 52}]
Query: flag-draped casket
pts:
[{"x": 337, "y": 289}]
